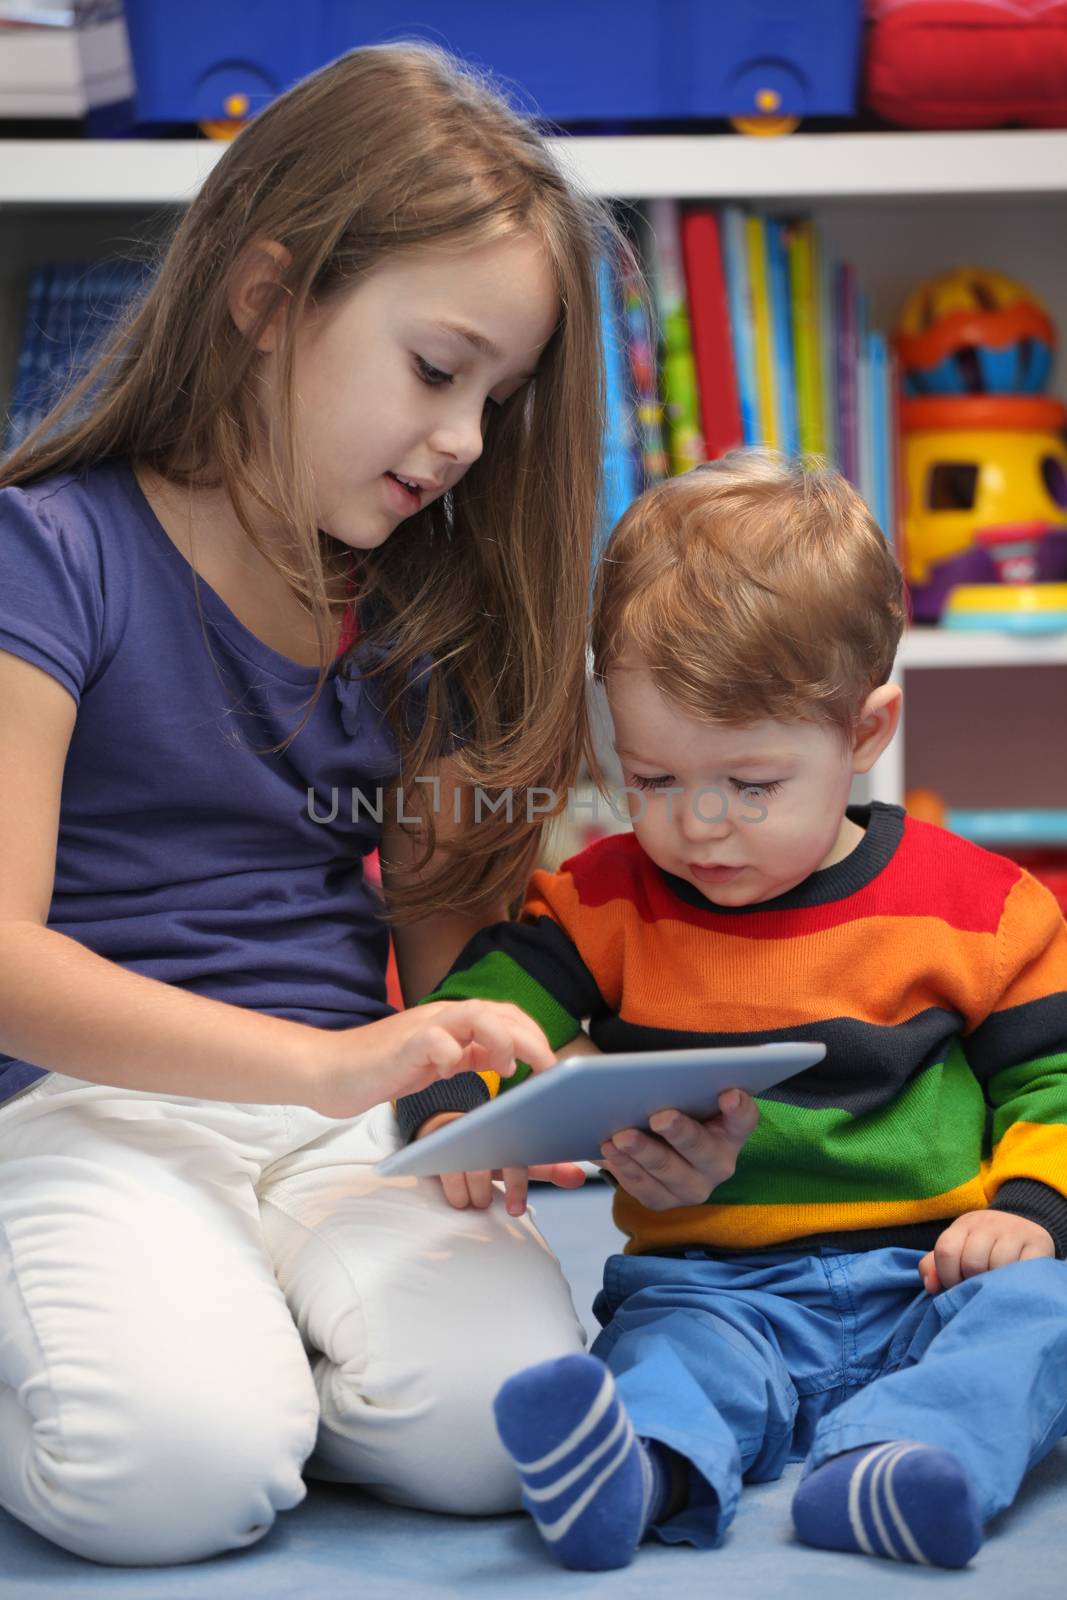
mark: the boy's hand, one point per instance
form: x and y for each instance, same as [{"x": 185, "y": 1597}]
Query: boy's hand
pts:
[
  {"x": 463, "y": 1189},
  {"x": 687, "y": 1159},
  {"x": 979, "y": 1241}
]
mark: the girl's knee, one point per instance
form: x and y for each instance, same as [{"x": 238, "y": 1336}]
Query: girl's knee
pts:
[{"x": 169, "y": 1485}]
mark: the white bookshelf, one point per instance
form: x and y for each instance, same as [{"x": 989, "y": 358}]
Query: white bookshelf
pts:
[
  {"x": 899, "y": 205},
  {"x": 803, "y": 167}
]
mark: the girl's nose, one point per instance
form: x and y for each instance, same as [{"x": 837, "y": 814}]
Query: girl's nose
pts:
[{"x": 460, "y": 436}]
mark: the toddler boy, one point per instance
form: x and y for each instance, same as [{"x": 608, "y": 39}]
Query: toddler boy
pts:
[{"x": 880, "y": 1285}]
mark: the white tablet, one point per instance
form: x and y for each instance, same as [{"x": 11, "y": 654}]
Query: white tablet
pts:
[{"x": 567, "y": 1112}]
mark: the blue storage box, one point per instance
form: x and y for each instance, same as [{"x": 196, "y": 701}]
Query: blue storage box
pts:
[{"x": 572, "y": 61}]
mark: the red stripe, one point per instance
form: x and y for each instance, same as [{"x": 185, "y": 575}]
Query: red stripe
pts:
[{"x": 932, "y": 874}]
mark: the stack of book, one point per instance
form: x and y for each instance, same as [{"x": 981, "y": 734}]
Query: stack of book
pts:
[{"x": 763, "y": 338}]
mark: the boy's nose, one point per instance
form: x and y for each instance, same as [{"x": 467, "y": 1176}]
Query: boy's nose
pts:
[{"x": 704, "y": 814}]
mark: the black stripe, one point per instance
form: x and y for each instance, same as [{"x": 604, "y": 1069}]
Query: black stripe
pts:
[
  {"x": 464, "y": 1092},
  {"x": 541, "y": 948},
  {"x": 865, "y": 1067},
  {"x": 904, "y": 1236},
  {"x": 1021, "y": 1033},
  {"x": 883, "y": 827}
]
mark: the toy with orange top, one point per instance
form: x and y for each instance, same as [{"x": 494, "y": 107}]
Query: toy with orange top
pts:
[{"x": 984, "y": 456}]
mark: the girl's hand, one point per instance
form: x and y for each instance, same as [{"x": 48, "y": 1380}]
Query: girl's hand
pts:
[
  {"x": 360, "y": 1067},
  {"x": 687, "y": 1159},
  {"x": 979, "y": 1241},
  {"x": 463, "y": 1189}
]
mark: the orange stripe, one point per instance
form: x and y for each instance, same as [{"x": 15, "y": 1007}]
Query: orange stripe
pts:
[
  {"x": 717, "y": 982},
  {"x": 743, "y": 1227},
  {"x": 1038, "y": 951}
]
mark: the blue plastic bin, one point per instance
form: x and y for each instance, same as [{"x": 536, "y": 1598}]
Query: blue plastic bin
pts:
[{"x": 573, "y": 61}]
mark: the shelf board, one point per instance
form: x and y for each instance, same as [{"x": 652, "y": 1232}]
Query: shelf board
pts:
[
  {"x": 942, "y": 647},
  {"x": 88, "y": 172}
]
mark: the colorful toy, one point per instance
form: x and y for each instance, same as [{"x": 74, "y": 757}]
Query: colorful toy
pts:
[
  {"x": 986, "y": 505},
  {"x": 974, "y": 332},
  {"x": 984, "y": 456}
]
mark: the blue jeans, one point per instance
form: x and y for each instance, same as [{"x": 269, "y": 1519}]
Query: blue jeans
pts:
[{"x": 745, "y": 1363}]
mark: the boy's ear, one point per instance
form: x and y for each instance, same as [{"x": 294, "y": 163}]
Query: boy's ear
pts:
[
  {"x": 254, "y": 284},
  {"x": 875, "y": 726}
]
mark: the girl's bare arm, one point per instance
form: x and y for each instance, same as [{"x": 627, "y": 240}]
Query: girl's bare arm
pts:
[{"x": 66, "y": 1009}]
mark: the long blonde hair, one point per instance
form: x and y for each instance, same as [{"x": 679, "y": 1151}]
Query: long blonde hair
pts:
[{"x": 386, "y": 150}]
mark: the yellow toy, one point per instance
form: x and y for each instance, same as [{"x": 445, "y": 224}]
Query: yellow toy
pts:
[{"x": 985, "y": 519}]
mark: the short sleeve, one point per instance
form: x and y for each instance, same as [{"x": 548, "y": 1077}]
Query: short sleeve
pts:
[{"x": 51, "y": 588}]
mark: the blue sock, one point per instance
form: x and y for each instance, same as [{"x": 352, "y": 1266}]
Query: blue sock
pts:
[
  {"x": 906, "y": 1501},
  {"x": 591, "y": 1486}
]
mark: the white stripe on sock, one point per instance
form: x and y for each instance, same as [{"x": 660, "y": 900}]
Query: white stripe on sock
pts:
[
  {"x": 603, "y": 1400},
  {"x": 895, "y": 1511},
  {"x": 554, "y": 1531},
  {"x": 559, "y": 1484},
  {"x": 855, "y": 1486},
  {"x": 881, "y": 1467}
]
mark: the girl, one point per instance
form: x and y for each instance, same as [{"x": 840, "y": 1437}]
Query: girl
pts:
[{"x": 360, "y": 405}]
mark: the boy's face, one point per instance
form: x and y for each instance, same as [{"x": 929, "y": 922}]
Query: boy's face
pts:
[{"x": 742, "y": 813}]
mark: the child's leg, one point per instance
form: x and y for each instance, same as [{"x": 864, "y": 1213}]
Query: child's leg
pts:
[
  {"x": 699, "y": 1382},
  {"x": 156, "y": 1405},
  {"x": 415, "y": 1314},
  {"x": 980, "y": 1382}
]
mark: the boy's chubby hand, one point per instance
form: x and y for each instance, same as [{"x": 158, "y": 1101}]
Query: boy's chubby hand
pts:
[
  {"x": 686, "y": 1159},
  {"x": 979, "y": 1241},
  {"x": 463, "y": 1189}
]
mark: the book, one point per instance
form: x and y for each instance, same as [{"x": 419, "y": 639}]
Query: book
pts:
[
  {"x": 640, "y": 349},
  {"x": 620, "y": 477},
  {"x": 760, "y": 301},
  {"x": 781, "y": 336},
  {"x": 738, "y": 292},
  {"x": 806, "y": 315},
  {"x": 846, "y": 363},
  {"x": 681, "y": 406},
  {"x": 709, "y": 315}
]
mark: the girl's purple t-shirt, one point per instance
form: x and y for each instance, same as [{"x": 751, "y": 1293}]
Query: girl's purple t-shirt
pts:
[{"x": 188, "y": 849}]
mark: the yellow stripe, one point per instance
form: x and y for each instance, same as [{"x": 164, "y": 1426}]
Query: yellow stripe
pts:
[
  {"x": 1035, "y": 1150},
  {"x": 752, "y": 1227}
]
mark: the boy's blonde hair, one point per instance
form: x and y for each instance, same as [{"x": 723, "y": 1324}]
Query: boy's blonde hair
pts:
[{"x": 756, "y": 589}]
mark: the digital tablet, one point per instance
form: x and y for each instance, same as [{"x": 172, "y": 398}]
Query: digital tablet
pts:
[{"x": 567, "y": 1112}]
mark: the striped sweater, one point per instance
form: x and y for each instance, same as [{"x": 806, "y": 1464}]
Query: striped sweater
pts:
[{"x": 934, "y": 972}]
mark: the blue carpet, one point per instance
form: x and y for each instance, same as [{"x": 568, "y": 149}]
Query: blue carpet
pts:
[{"x": 341, "y": 1543}]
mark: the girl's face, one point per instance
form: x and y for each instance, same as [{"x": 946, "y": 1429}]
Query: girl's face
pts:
[{"x": 394, "y": 380}]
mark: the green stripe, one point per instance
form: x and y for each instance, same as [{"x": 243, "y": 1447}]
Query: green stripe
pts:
[
  {"x": 928, "y": 1140},
  {"x": 497, "y": 977},
  {"x": 1032, "y": 1091}
]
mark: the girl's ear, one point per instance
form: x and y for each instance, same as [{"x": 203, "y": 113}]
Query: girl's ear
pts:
[
  {"x": 875, "y": 726},
  {"x": 254, "y": 285}
]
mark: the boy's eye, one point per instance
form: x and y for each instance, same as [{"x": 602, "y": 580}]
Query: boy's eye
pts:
[
  {"x": 761, "y": 789},
  {"x": 662, "y": 781},
  {"x": 432, "y": 375}
]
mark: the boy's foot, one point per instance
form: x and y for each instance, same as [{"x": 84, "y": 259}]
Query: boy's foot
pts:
[
  {"x": 589, "y": 1483},
  {"x": 906, "y": 1501}
]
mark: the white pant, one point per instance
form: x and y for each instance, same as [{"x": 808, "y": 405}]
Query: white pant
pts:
[{"x": 195, "y": 1296}]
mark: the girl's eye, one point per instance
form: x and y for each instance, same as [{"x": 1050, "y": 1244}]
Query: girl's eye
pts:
[
  {"x": 432, "y": 375},
  {"x": 760, "y": 789},
  {"x": 661, "y": 782}
]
